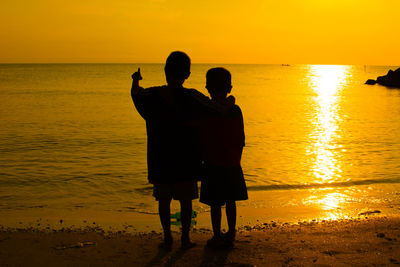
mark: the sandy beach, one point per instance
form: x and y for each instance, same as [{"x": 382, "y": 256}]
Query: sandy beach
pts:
[{"x": 356, "y": 242}]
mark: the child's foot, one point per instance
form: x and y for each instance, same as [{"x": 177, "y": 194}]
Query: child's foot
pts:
[
  {"x": 187, "y": 245},
  {"x": 166, "y": 244},
  {"x": 215, "y": 242},
  {"x": 185, "y": 242},
  {"x": 229, "y": 236}
]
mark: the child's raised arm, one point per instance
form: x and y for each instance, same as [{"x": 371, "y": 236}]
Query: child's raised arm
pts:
[
  {"x": 140, "y": 96},
  {"x": 136, "y": 77}
]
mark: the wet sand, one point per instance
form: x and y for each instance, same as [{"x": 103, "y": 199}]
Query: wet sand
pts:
[{"x": 356, "y": 242}]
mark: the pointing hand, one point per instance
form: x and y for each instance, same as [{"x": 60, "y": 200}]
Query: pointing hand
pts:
[{"x": 137, "y": 76}]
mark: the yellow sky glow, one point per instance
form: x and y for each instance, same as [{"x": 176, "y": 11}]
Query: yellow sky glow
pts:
[{"x": 223, "y": 31}]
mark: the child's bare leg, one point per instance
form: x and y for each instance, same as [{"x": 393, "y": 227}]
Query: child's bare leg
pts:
[
  {"x": 216, "y": 220},
  {"x": 186, "y": 218},
  {"x": 216, "y": 241},
  {"x": 231, "y": 218},
  {"x": 165, "y": 218}
]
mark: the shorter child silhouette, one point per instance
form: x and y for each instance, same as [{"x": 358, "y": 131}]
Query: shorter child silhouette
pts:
[{"x": 222, "y": 146}]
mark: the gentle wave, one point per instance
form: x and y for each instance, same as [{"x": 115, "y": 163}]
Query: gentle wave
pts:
[
  {"x": 146, "y": 190},
  {"x": 325, "y": 185}
]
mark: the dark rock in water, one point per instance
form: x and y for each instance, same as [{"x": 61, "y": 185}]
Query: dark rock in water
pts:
[
  {"x": 391, "y": 79},
  {"x": 370, "y": 81}
]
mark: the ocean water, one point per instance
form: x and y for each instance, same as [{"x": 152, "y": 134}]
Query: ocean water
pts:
[{"x": 316, "y": 135}]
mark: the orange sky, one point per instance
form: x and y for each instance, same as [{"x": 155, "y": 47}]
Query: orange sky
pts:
[{"x": 210, "y": 31}]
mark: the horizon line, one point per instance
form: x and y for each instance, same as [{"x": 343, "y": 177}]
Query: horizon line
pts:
[{"x": 193, "y": 63}]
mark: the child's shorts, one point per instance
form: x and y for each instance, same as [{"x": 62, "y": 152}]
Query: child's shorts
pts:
[
  {"x": 186, "y": 190},
  {"x": 222, "y": 184}
]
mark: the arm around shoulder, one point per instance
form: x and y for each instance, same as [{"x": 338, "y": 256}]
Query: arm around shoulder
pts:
[{"x": 214, "y": 106}]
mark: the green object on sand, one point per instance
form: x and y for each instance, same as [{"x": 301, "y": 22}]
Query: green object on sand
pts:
[{"x": 176, "y": 218}]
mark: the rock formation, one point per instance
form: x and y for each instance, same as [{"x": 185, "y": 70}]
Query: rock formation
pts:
[{"x": 391, "y": 79}]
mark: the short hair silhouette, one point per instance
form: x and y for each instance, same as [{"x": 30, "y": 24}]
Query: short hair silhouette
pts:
[
  {"x": 177, "y": 65},
  {"x": 219, "y": 79}
]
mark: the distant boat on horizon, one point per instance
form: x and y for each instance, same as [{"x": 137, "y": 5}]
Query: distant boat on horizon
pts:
[{"x": 286, "y": 65}]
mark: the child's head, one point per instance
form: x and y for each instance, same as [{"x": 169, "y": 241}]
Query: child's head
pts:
[
  {"x": 177, "y": 68},
  {"x": 218, "y": 82}
]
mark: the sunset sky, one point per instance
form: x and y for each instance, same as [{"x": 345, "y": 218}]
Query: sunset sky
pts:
[{"x": 210, "y": 31}]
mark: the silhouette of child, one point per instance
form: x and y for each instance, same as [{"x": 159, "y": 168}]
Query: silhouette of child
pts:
[{"x": 222, "y": 144}]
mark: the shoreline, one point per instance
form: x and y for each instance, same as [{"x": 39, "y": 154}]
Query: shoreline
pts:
[
  {"x": 356, "y": 242},
  {"x": 280, "y": 207}
]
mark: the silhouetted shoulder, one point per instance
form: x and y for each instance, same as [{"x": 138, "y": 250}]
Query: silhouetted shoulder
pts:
[
  {"x": 235, "y": 111},
  {"x": 145, "y": 100}
]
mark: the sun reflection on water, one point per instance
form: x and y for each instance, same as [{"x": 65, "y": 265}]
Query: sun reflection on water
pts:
[
  {"x": 326, "y": 81},
  {"x": 331, "y": 204}
]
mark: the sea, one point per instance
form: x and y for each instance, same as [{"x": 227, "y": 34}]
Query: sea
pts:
[{"x": 320, "y": 144}]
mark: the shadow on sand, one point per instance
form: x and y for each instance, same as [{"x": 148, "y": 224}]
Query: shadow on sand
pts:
[{"x": 210, "y": 257}]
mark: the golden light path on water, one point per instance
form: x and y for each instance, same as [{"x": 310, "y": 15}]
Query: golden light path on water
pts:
[{"x": 327, "y": 81}]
